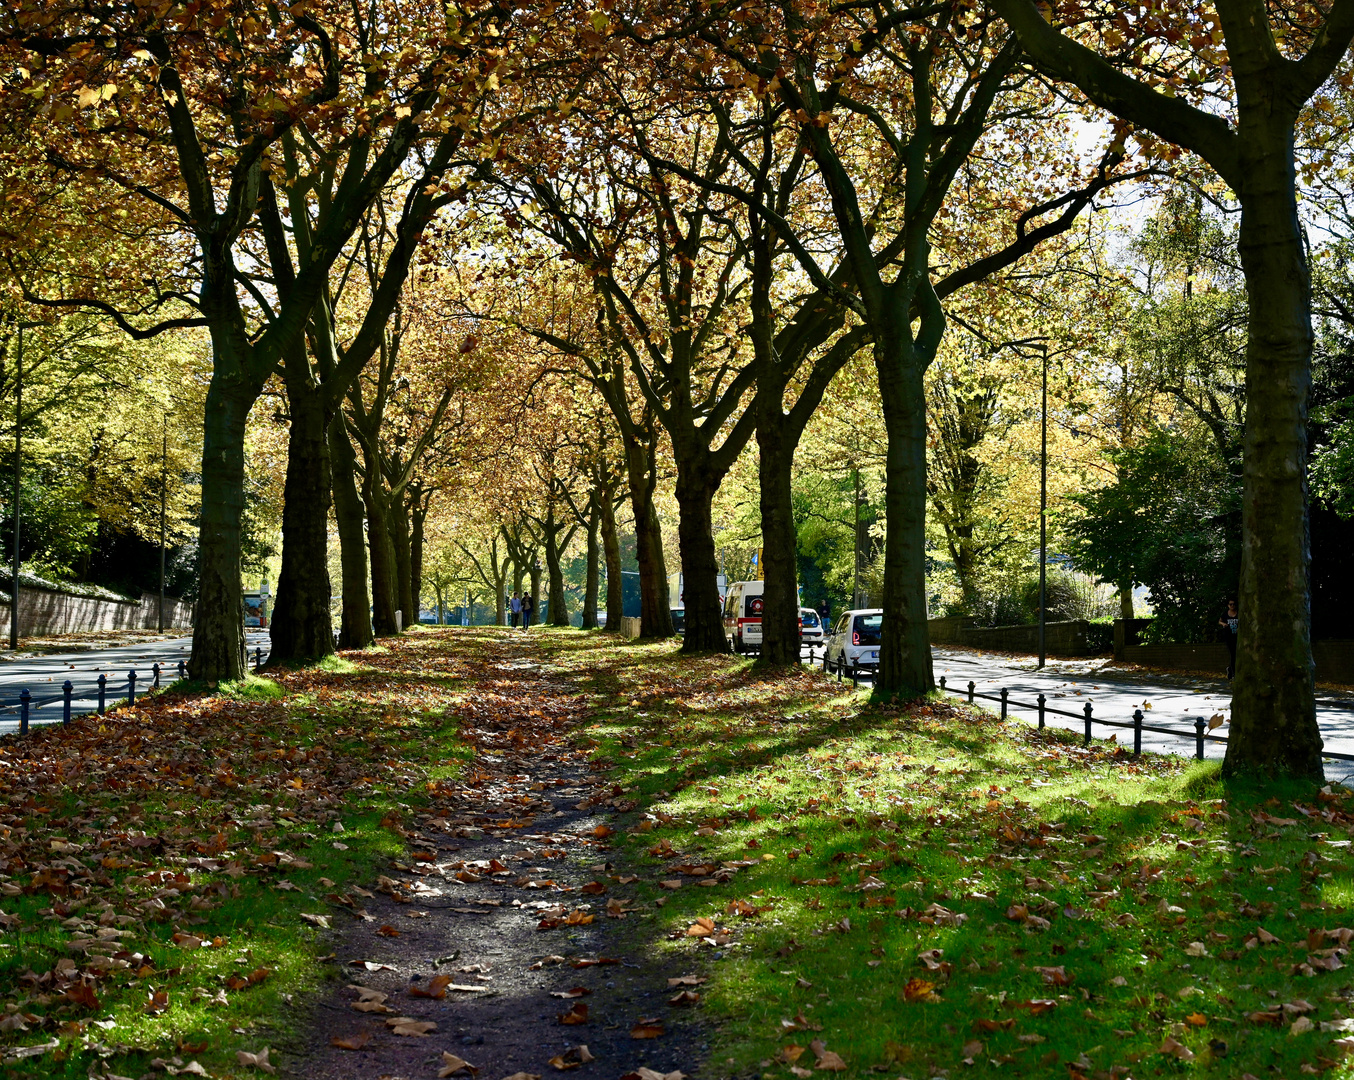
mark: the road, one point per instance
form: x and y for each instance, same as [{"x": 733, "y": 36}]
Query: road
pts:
[
  {"x": 1168, "y": 699},
  {"x": 43, "y": 675}
]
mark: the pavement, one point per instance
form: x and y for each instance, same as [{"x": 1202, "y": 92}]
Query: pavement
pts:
[
  {"x": 43, "y": 675},
  {"x": 1167, "y": 699}
]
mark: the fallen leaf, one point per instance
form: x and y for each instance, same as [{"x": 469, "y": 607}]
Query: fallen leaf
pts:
[
  {"x": 351, "y": 1042},
  {"x": 1176, "y": 1049},
  {"x": 255, "y": 1061},
  {"x": 451, "y": 1065},
  {"x": 578, "y": 1014},
  {"x": 572, "y": 1058},
  {"x": 648, "y": 1028}
]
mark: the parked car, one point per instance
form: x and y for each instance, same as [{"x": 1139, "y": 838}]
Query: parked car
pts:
[
  {"x": 853, "y": 643},
  {"x": 811, "y": 629},
  {"x": 679, "y": 620},
  {"x": 743, "y": 616}
]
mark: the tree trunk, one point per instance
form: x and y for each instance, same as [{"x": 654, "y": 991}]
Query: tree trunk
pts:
[
  {"x": 535, "y": 616},
  {"x": 1126, "y": 601},
  {"x": 611, "y": 546},
  {"x": 559, "y": 608},
  {"x": 382, "y": 553},
  {"x": 593, "y": 572},
  {"x": 218, "y": 631},
  {"x": 355, "y": 625},
  {"x": 704, "y": 620},
  {"x": 419, "y": 516},
  {"x": 501, "y": 601},
  {"x": 1273, "y": 728},
  {"x": 399, "y": 539},
  {"x": 905, "y": 651},
  {"x": 780, "y": 595},
  {"x": 302, "y": 628},
  {"x": 655, "y": 614}
]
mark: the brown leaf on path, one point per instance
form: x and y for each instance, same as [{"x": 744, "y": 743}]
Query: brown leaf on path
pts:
[
  {"x": 674, "y": 883},
  {"x": 653, "y": 1074},
  {"x": 685, "y": 980},
  {"x": 436, "y": 987},
  {"x": 603, "y": 831},
  {"x": 572, "y": 1058},
  {"x": 578, "y": 1014},
  {"x": 451, "y": 1065},
  {"x": 523, "y": 1076},
  {"x": 573, "y": 992},
  {"x": 650, "y": 1027},
  {"x": 351, "y": 1042},
  {"x": 388, "y": 931},
  {"x": 685, "y": 997},
  {"x": 593, "y": 888},
  {"x": 255, "y": 1061},
  {"x": 408, "y": 1025},
  {"x": 702, "y": 927}
]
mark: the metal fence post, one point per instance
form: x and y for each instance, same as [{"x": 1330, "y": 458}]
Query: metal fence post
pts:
[
  {"x": 1004, "y": 692},
  {"x": 971, "y": 687},
  {"x": 24, "y": 698},
  {"x": 942, "y": 684},
  {"x": 1041, "y": 699},
  {"x": 1200, "y": 726},
  {"x": 66, "y": 689},
  {"x": 1087, "y": 711},
  {"x": 855, "y": 675},
  {"x": 183, "y": 670},
  {"x": 131, "y": 688},
  {"x": 103, "y": 690},
  {"x": 1137, "y": 732},
  {"x": 155, "y": 670}
]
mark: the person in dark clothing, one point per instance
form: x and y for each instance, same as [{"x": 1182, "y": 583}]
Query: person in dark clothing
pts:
[
  {"x": 528, "y": 608},
  {"x": 1229, "y": 622},
  {"x": 824, "y": 612}
]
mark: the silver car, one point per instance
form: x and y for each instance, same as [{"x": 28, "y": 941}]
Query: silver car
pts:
[
  {"x": 811, "y": 628},
  {"x": 853, "y": 642}
]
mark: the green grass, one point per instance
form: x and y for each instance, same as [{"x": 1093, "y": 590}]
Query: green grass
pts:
[{"x": 879, "y": 835}]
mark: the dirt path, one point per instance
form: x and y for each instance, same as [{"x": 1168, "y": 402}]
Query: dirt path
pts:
[{"x": 520, "y": 842}]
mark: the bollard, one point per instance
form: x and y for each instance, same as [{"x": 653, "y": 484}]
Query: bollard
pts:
[
  {"x": 1137, "y": 732},
  {"x": 258, "y": 657},
  {"x": 103, "y": 689},
  {"x": 1041, "y": 699},
  {"x": 971, "y": 687},
  {"x": 1004, "y": 692},
  {"x": 1200, "y": 726},
  {"x": 1087, "y": 710},
  {"x": 24, "y": 698},
  {"x": 183, "y": 670},
  {"x": 942, "y": 684},
  {"x": 840, "y": 664},
  {"x": 66, "y": 689},
  {"x": 855, "y": 676},
  {"x": 131, "y": 688},
  {"x": 155, "y": 670}
]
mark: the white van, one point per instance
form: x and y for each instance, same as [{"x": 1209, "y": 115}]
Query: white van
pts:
[{"x": 743, "y": 616}]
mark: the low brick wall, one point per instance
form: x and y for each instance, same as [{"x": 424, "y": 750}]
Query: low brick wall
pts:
[
  {"x": 1069, "y": 638},
  {"x": 46, "y": 611}
]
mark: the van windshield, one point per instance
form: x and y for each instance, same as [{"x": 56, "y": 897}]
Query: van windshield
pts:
[{"x": 867, "y": 627}]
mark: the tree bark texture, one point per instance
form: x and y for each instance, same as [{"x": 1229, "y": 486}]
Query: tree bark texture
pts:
[
  {"x": 535, "y": 595},
  {"x": 559, "y": 609},
  {"x": 404, "y": 569},
  {"x": 355, "y": 624},
  {"x": 780, "y": 595},
  {"x": 655, "y": 614},
  {"x": 382, "y": 553},
  {"x": 611, "y": 548},
  {"x": 905, "y": 650},
  {"x": 1273, "y": 727},
  {"x": 703, "y": 629},
  {"x": 302, "y": 628},
  {"x": 218, "y": 631},
  {"x": 593, "y": 571}
]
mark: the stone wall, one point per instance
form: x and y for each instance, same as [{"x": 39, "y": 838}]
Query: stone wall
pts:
[
  {"x": 47, "y": 611},
  {"x": 1070, "y": 638},
  {"x": 1334, "y": 659}
]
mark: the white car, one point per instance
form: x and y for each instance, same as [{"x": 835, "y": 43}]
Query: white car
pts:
[
  {"x": 853, "y": 641},
  {"x": 811, "y": 629}
]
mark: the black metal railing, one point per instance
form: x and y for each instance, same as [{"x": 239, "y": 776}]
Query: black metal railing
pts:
[
  {"x": 1201, "y": 733},
  {"x": 107, "y": 694}
]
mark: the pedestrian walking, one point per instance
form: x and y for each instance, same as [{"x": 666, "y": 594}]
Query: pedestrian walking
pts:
[
  {"x": 528, "y": 606},
  {"x": 515, "y": 607},
  {"x": 1230, "y": 623}
]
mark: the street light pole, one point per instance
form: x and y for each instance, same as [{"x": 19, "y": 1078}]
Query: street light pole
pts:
[
  {"x": 1043, "y": 507},
  {"x": 18, "y": 445}
]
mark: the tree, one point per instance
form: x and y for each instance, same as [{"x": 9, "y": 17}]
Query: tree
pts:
[{"x": 1273, "y": 727}]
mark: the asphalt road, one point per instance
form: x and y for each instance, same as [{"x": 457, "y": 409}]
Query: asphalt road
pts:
[
  {"x": 44, "y": 675},
  {"x": 1169, "y": 700}
]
